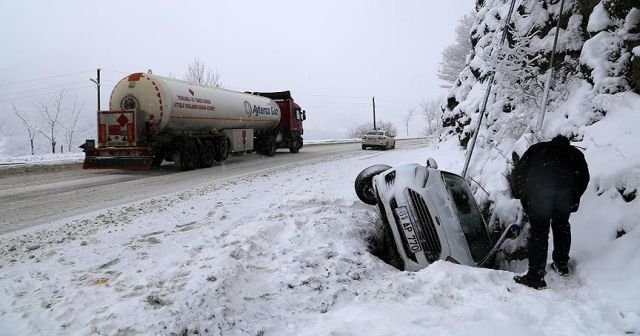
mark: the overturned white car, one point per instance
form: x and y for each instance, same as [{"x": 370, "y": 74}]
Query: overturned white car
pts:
[{"x": 430, "y": 214}]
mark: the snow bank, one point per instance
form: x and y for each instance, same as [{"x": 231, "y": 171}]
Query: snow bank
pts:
[{"x": 286, "y": 253}]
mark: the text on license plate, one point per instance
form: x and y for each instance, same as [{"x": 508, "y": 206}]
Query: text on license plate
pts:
[{"x": 407, "y": 227}]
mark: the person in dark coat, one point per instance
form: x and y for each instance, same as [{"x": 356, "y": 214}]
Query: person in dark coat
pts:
[{"x": 549, "y": 181}]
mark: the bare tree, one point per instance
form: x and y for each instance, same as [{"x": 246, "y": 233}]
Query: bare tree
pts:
[
  {"x": 32, "y": 130},
  {"x": 52, "y": 116},
  {"x": 432, "y": 113},
  {"x": 360, "y": 130},
  {"x": 199, "y": 74},
  {"x": 71, "y": 123},
  {"x": 408, "y": 116},
  {"x": 454, "y": 56}
]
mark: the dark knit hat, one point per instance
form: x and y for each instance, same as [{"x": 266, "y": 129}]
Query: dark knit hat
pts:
[{"x": 560, "y": 140}]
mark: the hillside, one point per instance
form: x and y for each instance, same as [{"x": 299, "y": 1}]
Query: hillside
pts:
[{"x": 593, "y": 99}]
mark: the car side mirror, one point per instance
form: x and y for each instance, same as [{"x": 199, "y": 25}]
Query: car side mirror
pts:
[{"x": 431, "y": 163}]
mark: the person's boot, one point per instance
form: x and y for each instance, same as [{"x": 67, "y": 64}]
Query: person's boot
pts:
[
  {"x": 560, "y": 268},
  {"x": 531, "y": 280}
]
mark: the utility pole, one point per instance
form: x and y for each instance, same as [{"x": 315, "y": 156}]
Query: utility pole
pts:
[
  {"x": 547, "y": 84},
  {"x": 97, "y": 83},
  {"x": 374, "y": 113}
]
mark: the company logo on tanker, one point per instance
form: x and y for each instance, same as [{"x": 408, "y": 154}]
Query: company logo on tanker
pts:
[{"x": 257, "y": 110}]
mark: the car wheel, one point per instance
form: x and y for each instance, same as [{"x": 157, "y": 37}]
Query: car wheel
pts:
[
  {"x": 364, "y": 183},
  {"x": 364, "y": 147}
]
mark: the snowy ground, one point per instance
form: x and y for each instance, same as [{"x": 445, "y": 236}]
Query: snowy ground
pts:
[
  {"x": 42, "y": 159},
  {"x": 286, "y": 253}
]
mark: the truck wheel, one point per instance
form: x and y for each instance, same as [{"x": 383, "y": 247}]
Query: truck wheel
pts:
[
  {"x": 191, "y": 155},
  {"x": 270, "y": 149},
  {"x": 295, "y": 146},
  {"x": 186, "y": 157},
  {"x": 364, "y": 183},
  {"x": 296, "y": 143},
  {"x": 157, "y": 160},
  {"x": 178, "y": 162},
  {"x": 207, "y": 154},
  {"x": 222, "y": 150}
]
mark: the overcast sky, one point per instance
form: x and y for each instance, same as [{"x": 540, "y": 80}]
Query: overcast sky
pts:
[{"x": 333, "y": 55}]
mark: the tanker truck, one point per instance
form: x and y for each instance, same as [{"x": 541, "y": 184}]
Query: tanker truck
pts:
[{"x": 153, "y": 118}]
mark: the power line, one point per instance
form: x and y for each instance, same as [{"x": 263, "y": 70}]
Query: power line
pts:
[
  {"x": 332, "y": 96},
  {"x": 45, "y": 94},
  {"x": 42, "y": 88},
  {"x": 121, "y": 72},
  {"x": 43, "y": 78}
]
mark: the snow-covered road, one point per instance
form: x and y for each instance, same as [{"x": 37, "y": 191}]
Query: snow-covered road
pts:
[
  {"x": 286, "y": 253},
  {"x": 38, "y": 197}
]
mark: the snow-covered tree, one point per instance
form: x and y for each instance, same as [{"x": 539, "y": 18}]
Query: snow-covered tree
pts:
[
  {"x": 51, "y": 113},
  {"x": 198, "y": 73},
  {"x": 70, "y": 123},
  {"x": 30, "y": 126},
  {"x": 454, "y": 56},
  {"x": 432, "y": 113},
  {"x": 597, "y": 43},
  {"x": 408, "y": 116},
  {"x": 360, "y": 130}
]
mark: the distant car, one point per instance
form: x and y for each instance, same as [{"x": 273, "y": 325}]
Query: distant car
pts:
[
  {"x": 428, "y": 215},
  {"x": 378, "y": 139}
]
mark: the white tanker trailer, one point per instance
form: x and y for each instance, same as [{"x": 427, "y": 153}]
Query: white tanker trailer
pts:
[{"x": 153, "y": 118}]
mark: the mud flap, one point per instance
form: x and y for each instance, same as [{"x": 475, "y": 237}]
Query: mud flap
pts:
[{"x": 128, "y": 163}]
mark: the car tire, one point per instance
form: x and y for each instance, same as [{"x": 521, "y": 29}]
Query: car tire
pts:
[
  {"x": 364, "y": 183},
  {"x": 364, "y": 147}
]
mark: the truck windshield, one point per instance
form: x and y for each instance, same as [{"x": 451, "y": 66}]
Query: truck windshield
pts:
[{"x": 475, "y": 232}]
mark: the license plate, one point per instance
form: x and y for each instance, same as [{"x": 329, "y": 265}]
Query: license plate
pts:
[{"x": 407, "y": 227}]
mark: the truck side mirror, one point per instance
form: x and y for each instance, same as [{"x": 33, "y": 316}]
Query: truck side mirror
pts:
[{"x": 304, "y": 115}]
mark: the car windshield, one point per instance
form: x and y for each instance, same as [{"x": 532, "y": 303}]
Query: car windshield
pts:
[
  {"x": 375, "y": 133},
  {"x": 475, "y": 232}
]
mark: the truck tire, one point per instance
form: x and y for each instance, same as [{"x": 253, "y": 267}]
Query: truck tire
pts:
[
  {"x": 191, "y": 154},
  {"x": 207, "y": 154},
  {"x": 186, "y": 157},
  {"x": 296, "y": 144},
  {"x": 178, "y": 162},
  {"x": 157, "y": 160},
  {"x": 270, "y": 147},
  {"x": 364, "y": 183},
  {"x": 222, "y": 150}
]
